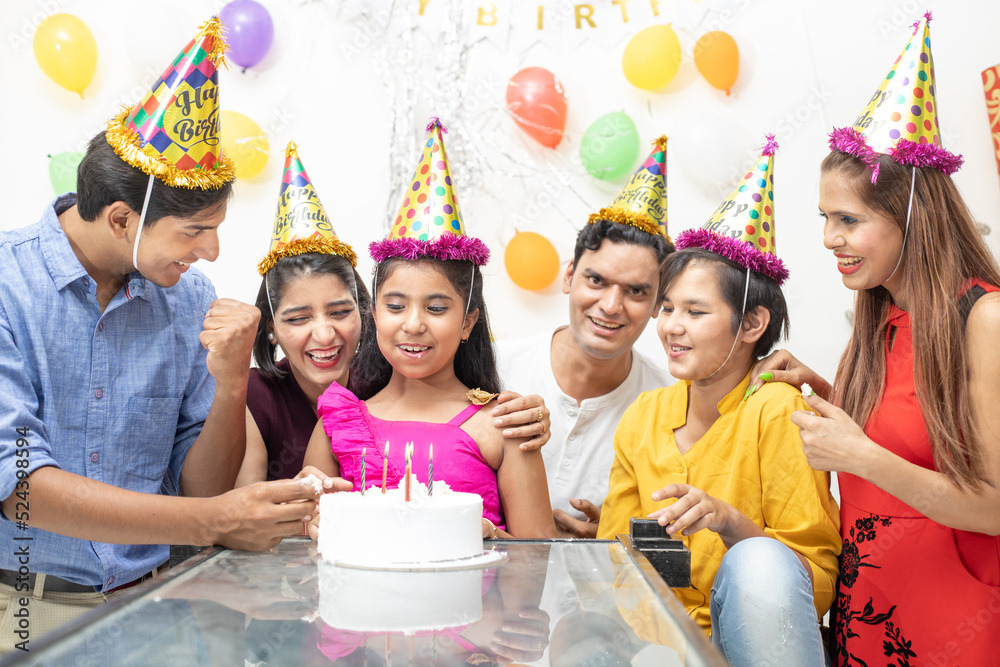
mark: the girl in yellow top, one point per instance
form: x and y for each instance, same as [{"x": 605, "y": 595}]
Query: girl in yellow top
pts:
[{"x": 725, "y": 474}]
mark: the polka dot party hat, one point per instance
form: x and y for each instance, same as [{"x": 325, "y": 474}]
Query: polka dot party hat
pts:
[
  {"x": 301, "y": 224},
  {"x": 742, "y": 227},
  {"x": 429, "y": 222},
  {"x": 901, "y": 117},
  {"x": 173, "y": 133},
  {"x": 642, "y": 202}
]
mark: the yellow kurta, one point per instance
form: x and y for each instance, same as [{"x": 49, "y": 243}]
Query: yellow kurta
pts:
[{"x": 751, "y": 458}]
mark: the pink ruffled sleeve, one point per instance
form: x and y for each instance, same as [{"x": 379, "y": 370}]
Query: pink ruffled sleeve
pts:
[{"x": 350, "y": 428}]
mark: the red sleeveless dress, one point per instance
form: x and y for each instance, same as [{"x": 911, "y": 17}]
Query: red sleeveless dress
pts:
[{"x": 911, "y": 591}]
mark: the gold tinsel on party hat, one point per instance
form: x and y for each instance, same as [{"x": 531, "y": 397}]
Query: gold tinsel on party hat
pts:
[
  {"x": 642, "y": 203},
  {"x": 173, "y": 132},
  {"x": 301, "y": 224}
]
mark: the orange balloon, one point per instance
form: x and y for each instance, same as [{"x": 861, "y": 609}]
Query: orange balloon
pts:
[
  {"x": 531, "y": 261},
  {"x": 718, "y": 59},
  {"x": 536, "y": 100}
]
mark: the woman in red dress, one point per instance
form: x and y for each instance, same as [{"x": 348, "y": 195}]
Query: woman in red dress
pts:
[{"x": 920, "y": 483}]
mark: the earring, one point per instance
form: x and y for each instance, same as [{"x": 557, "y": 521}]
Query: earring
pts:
[
  {"x": 465, "y": 340},
  {"x": 270, "y": 337}
]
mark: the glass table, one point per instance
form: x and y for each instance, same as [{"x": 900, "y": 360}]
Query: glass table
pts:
[{"x": 550, "y": 602}]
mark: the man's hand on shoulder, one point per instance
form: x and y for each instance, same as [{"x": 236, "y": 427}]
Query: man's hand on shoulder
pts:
[
  {"x": 229, "y": 330},
  {"x": 571, "y": 527}
]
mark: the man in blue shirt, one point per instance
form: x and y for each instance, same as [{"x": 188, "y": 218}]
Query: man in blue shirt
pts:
[{"x": 119, "y": 386}]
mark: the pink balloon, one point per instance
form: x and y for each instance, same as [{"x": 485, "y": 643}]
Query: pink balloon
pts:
[
  {"x": 249, "y": 31},
  {"x": 536, "y": 100}
]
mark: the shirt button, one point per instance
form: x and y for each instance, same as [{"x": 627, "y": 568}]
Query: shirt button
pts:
[
  {"x": 86, "y": 282},
  {"x": 567, "y": 463},
  {"x": 572, "y": 436},
  {"x": 100, "y": 326},
  {"x": 99, "y": 393},
  {"x": 111, "y": 580},
  {"x": 94, "y": 458},
  {"x": 571, "y": 412}
]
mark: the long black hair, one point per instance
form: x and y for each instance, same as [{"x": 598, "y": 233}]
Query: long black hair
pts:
[
  {"x": 281, "y": 274},
  {"x": 475, "y": 365}
]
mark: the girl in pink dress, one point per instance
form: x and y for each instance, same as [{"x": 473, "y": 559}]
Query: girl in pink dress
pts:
[{"x": 416, "y": 375}]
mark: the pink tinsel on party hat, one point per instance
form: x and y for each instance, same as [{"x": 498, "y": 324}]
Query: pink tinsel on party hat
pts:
[
  {"x": 429, "y": 222},
  {"x": 742, "y": 228},
  {"x": 901, "y": 118}
]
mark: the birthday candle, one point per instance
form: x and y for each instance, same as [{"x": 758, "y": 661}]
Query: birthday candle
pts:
[
  {"x": 409, "y": 467},
  {"x": 385, "y": 465},
  {"x": 363, "y": 470},
  {"x": 430, "y": 471}
]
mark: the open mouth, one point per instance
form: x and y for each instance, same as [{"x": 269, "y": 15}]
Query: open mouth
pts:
[
  {"x": 324, "y": 358},
  {"x": 849, "y": 265},
  {"x": 678, "y": 349},
  {"x": 610, "y": 326},
  {"x": 414, "y": 351}
]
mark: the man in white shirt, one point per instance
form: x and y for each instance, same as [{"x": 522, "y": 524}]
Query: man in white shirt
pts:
[{"x": 588, "y": 372}]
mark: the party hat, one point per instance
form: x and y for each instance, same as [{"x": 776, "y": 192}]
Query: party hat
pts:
[
  {"x": 301, "y": 224},
  {"x": 642, "y": 202},
  {"x": 429, "y": 223},
  {"x": 742, "y": 227},
  {"x": 173, "y": 133},
  {"x": 901, "y": 117}
]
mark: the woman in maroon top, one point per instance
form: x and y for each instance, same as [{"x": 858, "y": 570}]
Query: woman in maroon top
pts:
[{"x": 317, "y": 323}]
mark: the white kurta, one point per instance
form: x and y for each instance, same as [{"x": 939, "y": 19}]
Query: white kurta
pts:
[{"x": 579, "y": 455}]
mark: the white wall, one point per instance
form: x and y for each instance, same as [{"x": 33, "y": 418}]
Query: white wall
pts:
[{"x": 806, "y": 66}]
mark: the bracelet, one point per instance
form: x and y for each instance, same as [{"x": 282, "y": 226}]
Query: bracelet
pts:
[{"x": 493, "y": 528}]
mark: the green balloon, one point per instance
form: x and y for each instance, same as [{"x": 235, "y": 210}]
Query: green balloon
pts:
[
  {"x": 62, "y": 171},
  {"x": 610, "y": 146}
]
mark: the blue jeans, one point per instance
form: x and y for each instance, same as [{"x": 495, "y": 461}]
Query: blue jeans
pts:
[{"x": 762, "y": 607}]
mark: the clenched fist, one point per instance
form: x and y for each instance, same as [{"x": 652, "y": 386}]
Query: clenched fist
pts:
[{"x": 230, "y": 327}]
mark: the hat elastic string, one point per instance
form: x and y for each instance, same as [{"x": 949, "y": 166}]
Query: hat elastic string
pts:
[
  {"x": 472, "y": 286},
  {"x": 142, "y": 223},
  {"x": 743, "y": 312},
  {"x": 906, "y": 229}
]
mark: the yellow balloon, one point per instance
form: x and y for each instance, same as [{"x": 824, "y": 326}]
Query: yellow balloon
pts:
[
  {"x": 531, "y": 261},
  {"x": 652, "y": 57},
  {"x": 245, "y": 143},
  {"x": 66, "y": 51},
  {"x": 718, "y": 59}
]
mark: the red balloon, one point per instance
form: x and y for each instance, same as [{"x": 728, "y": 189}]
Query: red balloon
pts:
[{"x": 537, "y": 102}]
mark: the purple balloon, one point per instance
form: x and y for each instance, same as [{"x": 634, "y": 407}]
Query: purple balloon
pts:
[{"x": 249, "y": 31}]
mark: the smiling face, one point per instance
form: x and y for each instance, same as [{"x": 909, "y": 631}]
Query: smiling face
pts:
[
  {"x": 866, "y": 243},
  {"x": 171, "y": 245},
  {"x": 317, "y": 326},
  {"x": 420, "y": 319},
  {"x": 696, "y": 327},
  {"x": 612, "y": 295}
]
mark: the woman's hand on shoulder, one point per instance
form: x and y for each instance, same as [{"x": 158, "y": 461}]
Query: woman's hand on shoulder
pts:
[
  {"x": 781, "y": 366},
  {"x": 523, "y": 417},
  {"x": 831, "y": 440}
]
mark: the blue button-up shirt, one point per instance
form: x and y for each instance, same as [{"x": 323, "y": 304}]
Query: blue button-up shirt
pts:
[{"x": 118, "y": 396}]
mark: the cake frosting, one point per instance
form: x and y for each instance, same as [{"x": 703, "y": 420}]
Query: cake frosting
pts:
[
  {"x": 408, "y": 602},
  {"x": 375, "y": 530}
]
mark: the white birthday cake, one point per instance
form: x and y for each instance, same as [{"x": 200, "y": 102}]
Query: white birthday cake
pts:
[
  {"x": 408, "y": 602},
  {"x": 374, "y": 530}
]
